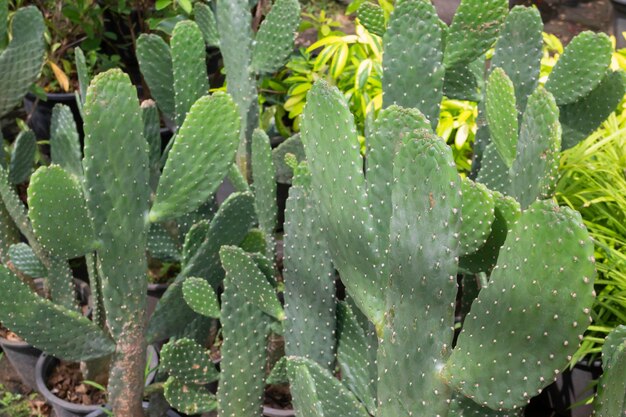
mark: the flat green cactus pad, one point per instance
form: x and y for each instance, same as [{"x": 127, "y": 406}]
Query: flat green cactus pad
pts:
[
  {"x": 203, "y": 151},
  {"x": 22, "y": 157},
  {"x": 201, "y": 297},
  {"x": 82, "y": 73},
  {"x": 502, "y": 115},
  {"x": 414, "y": 40},
  {"x": 465, "y": 81},
  {"x": 189, "y": 398},
  {"x": 611, "y": 399},
  {"x": 477, "y": 215},
  {"x": 255, "y": 242},
  {"x": 161, "y": 244},
  {"x": 205, "y": 19},
  {"x": 581, "y": 68},
  {"x": 524, "y": 325},
  {"x": 64, "y": 141},
  {"x": 58, "y": 213},
  {"x": 22, "y": 60},
  {"x": 274, "y": 41},
  {"x": 494, "y": 173},
  {"x": 193, "y": 240},
  {"x": 51, "y": 328},
  {"x": 155, "y": 62},
  {"x": 474, "y": 30},
  {"x": 372, "y": 17},
  {"x": 25, "y": 261},
  {"x": 264, "y": 186},
  {"x": 188, "y": 362},
  {"x": 317, "y": 393}
]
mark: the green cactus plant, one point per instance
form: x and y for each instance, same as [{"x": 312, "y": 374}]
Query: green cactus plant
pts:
[
  {"x": 419, "y": 371},
  {"x": 103, "y": 210}
]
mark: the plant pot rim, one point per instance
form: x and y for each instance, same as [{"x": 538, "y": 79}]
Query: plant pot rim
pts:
[{"x": 45, "y": 361}]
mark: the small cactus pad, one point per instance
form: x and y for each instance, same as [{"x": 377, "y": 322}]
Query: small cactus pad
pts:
[
  {"x": 161, "y": 244},
  {"x": 465, "y": 81},
  {"x": 494, "y": 173},
  {"x": 51, "y": 328},
  {"x": 292, "y": 145},
  {"x": 189, "y": 67},
  {"x": 189, "y": 398},
  {"x": 583, "y": 117},
  {"x": 274, "y": 41},
  {"x": 518, "y": 51},
  {"x": 611, "y": 399},
  {"x": 544, "y": 276},
  {"x": 22, "y": 157},
  {"x": 581, "y": 68},
  {"x": 58, "y": 212},
  {"x": 426, "y": 199},
  {"x": 317, "y": 393},
  {"x": 477, "y": 215},
  {"x": 393, "y": 126},
  {"x": 64, "y": 141},
  {"x": 117, "y": 191},
  {"x": 254, "y": 242},
  {"x": 250, "y": 281},
  {"x": 373, "y": 18},
  {"x": 474, "y": 30},
  {"x": 205, "y": 19},
  {"x": 25, "y": 261},
  {"x": 309, "y": 284},
  {"x": 535, "y": 168},
  {"x": 502, "y": 115},
  {"x": 264, "y": 185},
  {"x": 414, "y": 40},
  {"x": 333, "y": 154},
  {"x": 82, "y": 73},
  {"x": 155, "y": 62},
  {"x": 188, "y": 362},
  {"x": 358, "y": 371},
  {"x": 203, "y": 151},
  {"x": 201, "y": 297},
  {"x": 243, "y": 366},
  {"x": 22, "y": 60}
]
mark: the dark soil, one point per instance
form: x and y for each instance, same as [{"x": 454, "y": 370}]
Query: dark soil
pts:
[
  {"x": 278, "y": 396},
  {"x": 66, "y": 382}
]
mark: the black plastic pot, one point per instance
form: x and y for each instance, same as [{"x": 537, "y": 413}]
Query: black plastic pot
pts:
[
  {"x": 40, "y": 112},
  {"x": 62, "y": 408},
  {"x": 571, "y": 387},
  {"x": 22, "y": 356}
]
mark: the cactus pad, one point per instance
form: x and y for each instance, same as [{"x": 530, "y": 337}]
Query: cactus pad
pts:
[
  {"x": 373, "y": 18},
  {"x": 264, "y": 186},
  {"x": 54, "y": 197},
  {"x": 51, "y": 328},
  {"x": 64, "y": 141},
  {"x": 22, "y": 157},
  {"x": 545, "y": 277},
  {"x": 581, "y": 68},
  {"x": 477, "y": 215},
  {"x": 155, "y": 62},
  {"x": 189, "y": 398},
  {"x": 25, "y": 261},
  {"x": 502, "y": 115},
  {"x": 188, "y": 362},
  {"x": 414, "y": 40},
  {"x": 203, "y": 151},
  {"x": 201, "y": 297},
  {"x": 274, "y": 41},
  {"x": 611, "y": 399},
  {"x": 205, "y": 19}
]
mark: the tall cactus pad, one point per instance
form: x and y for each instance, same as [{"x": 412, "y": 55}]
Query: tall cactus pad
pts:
[
  {"x": 333, "y": 153},
  {"x": 393, "y": 125},
  {"x": 189, "y": 67},
  {"x": 188, "y": 362},
  {"x": 263, "y": 175},
  {"x": 426, "y": 198},
  {"x": 611, "y": 400},
  {"x": 581, "y": 118},
  {"x": 206, "y": 22},
  {"x": 545, "y": 277},
  {"x": 64, "y": 141},
  {"x": 494, "y": 173},
  {"x": 54, "y": 197},
  {"x": 250, "y": 281},
  {"x": 309, "y": 284},
  {"x": 245, "y": 329},
  {"x": 581, "y": 68},
  {"x": 373, "y": 18},
  {"x": 117, "y": 191},
  {"x": 22, "y": 157},
  {"x": 201, "y": 297},
  {"x": 474, "y": 30},
  {"x": 477, "y": 215},
  {"x": 535, "y": 168},
  {"x": 82, "y": 73},
  {"x": 413, "y": 71},
  {"x": 155, "y": 62},
  {"x": 502, "y": 115},
  {"x": 519, "y": 50},
  {"x": 25, "y": 261},
  {"x": 21, "y": 61},
  {"x": 317, "y": 393},
  {"x": 274, "y": 41},
  {"x": 203, "y": 151},
  {"x": 51, "y": 328},
  {"x": 358, "y": 370}
]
